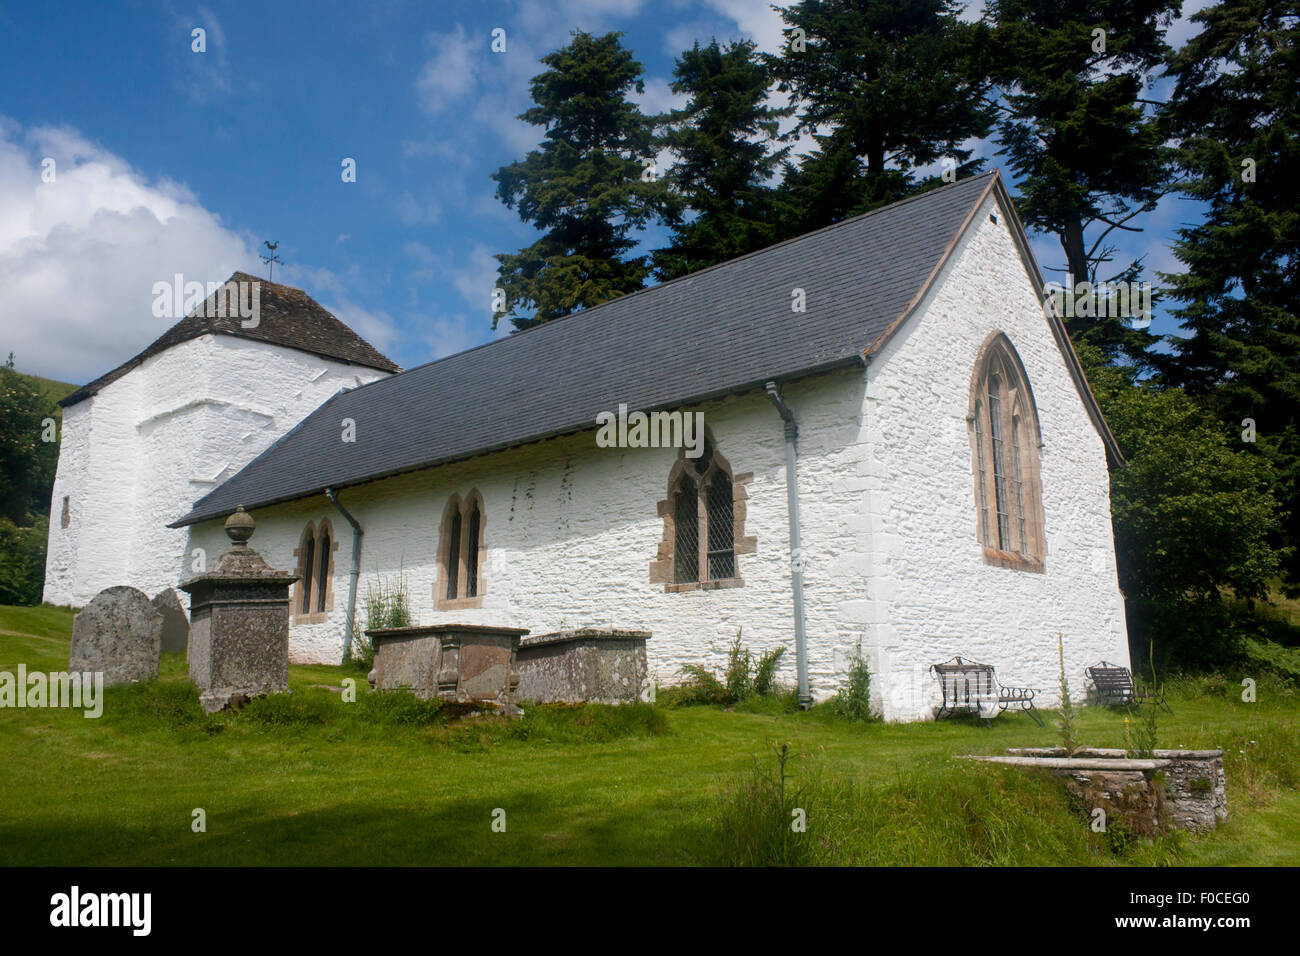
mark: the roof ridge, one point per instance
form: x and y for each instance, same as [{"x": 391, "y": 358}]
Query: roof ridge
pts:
[
  {"x": 303, "y": 324},
  {"x": 699, "y": 272}
]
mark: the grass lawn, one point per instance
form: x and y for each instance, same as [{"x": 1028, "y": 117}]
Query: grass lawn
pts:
[{"x": 311, "y": 781}]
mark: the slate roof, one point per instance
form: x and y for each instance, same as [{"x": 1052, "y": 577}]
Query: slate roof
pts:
[
  {"x": 287, "y": 316},
  {"x": 728, "y": 328}
]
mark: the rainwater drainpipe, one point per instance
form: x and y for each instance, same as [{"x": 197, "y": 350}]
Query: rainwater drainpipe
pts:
[
  {"x": 796, "y": 549},
  {"x": 352, "y": 575}
]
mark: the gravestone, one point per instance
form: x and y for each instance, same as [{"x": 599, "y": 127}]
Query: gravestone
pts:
[
  {"x": 118, "y": 634},
  {"x": 239, "y": 624},
  {"x": 176, "y": 626}
]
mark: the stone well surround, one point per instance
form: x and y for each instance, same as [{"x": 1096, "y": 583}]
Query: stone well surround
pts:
[{"x": 1183, "y": 789}]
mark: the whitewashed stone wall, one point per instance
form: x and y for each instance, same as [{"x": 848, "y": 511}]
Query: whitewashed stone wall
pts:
[
  {"x": 887, "y": 503},
  {"x": 134, "y": 457},
  {"x": 930, "y": 594}
]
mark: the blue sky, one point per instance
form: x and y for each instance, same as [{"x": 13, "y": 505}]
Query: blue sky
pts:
[{"x": 170, "y": 161}]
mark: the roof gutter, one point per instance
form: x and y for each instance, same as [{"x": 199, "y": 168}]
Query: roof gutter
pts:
[
  {"x": 352, "y": 575},
  {"x": 796, "y": 549}
]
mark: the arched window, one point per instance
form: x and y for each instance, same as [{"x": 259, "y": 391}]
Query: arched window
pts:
[
  {"x": 314, "y": 598},
  {"x": 704, "y": 517},
  {"x": 461, "y": 553},
  {"x": 1005, "y": 442}
]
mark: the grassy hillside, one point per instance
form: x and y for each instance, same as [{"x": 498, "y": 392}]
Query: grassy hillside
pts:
[
  {"x": 308, "y": 779},
  {"x": 51, "y": 389}
]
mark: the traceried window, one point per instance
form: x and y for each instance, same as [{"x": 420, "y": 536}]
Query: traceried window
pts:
[
  {"x": 461, "y": 554},
  {"x": 1005, "y": 459},
  {"x": 704, "y": 519},
  {"x": 314, "y": 598}
]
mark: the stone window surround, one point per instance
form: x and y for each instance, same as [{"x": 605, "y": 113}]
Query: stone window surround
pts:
[
  {"x": 998, "y": 354},
  {"x": 662, "y": 567},
  {"x": 312, "y": 579},
  {"x": 458, "y": 505}
]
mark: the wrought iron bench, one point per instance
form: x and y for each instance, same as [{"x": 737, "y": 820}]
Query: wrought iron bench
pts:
[
  {"x": 974, "y": 687},
  {"x": 1115, "y": 687}
]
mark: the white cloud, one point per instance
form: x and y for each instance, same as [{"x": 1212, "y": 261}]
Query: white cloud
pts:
[
  {"x": 79, "y": 256},
  {"x": 451, "y": 74},
  {"x": 476, "y": 279},
  {"x": 756, "y": 20}
]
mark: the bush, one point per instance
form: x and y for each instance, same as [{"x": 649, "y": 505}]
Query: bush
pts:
[
  {"x": 744, "y": 679},
  {"x": 387, "y": 605},
  {"x": 853, "y": 700},
  {"x": 1282, "y": 661},
  {"x": 22, "y": 561}
]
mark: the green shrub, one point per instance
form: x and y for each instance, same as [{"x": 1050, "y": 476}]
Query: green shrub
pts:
[
  {"x": 363, "y": 650},
  {"x": 387, "y": 604},
  {"x": 22, "y": 561},
  {"x": 744, "y": 679},
  {"x": 1282, "y": 661},
  {"x": 853, "y": 700}
]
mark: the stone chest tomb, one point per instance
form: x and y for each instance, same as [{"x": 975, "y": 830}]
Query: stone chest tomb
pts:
[{"x": 459, "y": 663}]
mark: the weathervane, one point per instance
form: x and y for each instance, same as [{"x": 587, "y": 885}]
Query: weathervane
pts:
[{"x": 272, "y": 259}]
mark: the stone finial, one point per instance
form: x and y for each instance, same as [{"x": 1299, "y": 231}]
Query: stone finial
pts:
[{"x": 240, "y": 527}]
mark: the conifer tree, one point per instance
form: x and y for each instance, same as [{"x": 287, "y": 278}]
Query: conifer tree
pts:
[
  {"x": 722, "y": 142},
  {"x": 588, "y": 185},
  {"x": 1236, "y": 113},
  {"x": 1080, "y": 135},
  {"x": 888, "y": 87}
]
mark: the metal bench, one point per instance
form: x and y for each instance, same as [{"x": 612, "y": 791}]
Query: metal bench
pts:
[
  {"x": 1115, "y": 687},
  {"x": 971, "y": 686}
]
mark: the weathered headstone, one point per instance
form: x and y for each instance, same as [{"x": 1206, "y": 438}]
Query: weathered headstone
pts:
[
  {"x": 176, "y": 626},
  {"x": 118, "y": 634},
  {"x": 239, "y": 624}
]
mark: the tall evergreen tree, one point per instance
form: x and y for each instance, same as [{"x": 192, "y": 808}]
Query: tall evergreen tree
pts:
[
  {"x": 887, "y": 86},
  {"x": 722, "y": 140},
  {"x": 589, "y": 184},
  {"x": 1077, "y": 131},
  {"x": 1236, "y": 113}
]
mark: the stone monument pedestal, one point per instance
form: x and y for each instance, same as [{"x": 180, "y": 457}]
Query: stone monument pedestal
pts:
[{"x": 239, "y": 624}]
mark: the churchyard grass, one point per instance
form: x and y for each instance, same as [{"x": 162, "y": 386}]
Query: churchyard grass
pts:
[{"x": 316, "y": 781}]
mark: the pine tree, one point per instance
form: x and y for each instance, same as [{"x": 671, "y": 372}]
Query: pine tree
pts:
[
  {"x": 887, "y": 86},
  {"x": 589, "y": 184},
  {"x": 1236, "y": 113},
  {"x": 721, "y": 140},
  {"x": 1079, "y": 134}
]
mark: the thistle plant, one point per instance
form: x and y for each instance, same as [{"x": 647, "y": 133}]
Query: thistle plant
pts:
[
  {"x": 1141, "y": 740},
  {"x": 1065, "y": 725}
]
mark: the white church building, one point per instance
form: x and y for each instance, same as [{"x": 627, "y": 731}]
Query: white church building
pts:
[{"x": 895, "y": 393}]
